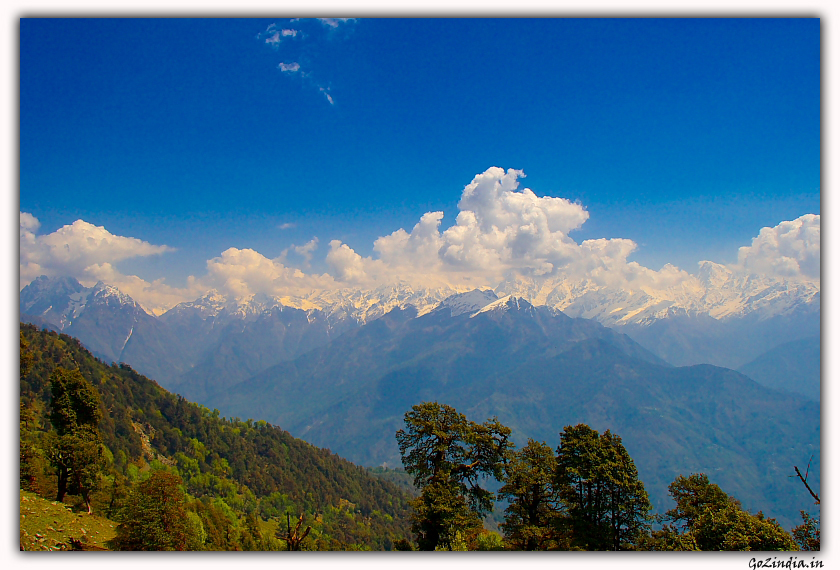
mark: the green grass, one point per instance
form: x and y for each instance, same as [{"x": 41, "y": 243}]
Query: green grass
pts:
[{"x": 49, "y": 525}]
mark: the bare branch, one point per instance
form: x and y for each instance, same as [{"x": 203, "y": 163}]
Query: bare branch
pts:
[{"x": 805, "y": 482}]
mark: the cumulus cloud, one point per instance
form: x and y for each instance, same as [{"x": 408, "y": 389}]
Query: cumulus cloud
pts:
[
  {"x": 87, "y": 252},
  {"x": 348, "y": 266},
  {"x": 289, "y": 67},
  {"x": 499, "y": 230},
  {"x": 73, "y": 248},
  {"x": 789, "y": 250},
  {"x": 244, "y": 272}
]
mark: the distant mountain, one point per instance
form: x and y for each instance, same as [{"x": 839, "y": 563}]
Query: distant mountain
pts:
[
  {"x": 111, "y": 324},
  {"x": 791, "y": 367},
  {"x": 538, "y": 370},
  {"x": 716, "y": 317},
  {"x": 341, "y": 368},
  {"x": 214, "y": 342},
  {"x": 230, "y": 342}
]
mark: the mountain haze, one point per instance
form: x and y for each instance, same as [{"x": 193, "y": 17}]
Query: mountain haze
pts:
[{"x": 539, "y": 370}]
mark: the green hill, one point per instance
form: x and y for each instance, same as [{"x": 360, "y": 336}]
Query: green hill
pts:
[{"x": 231, "y": 469}]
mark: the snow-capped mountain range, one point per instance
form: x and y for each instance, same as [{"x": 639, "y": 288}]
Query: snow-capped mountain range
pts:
[
  {"x": 716, "y": 291},
  {"x": 717, "y": 317}
]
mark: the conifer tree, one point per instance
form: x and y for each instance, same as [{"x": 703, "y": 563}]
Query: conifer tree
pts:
[
  {"x": 447, "y": 455},
  {"x": 74, "y": 447},
  {"x": 534, "y": 508},
  {"x": 706, "y": 518},
  {"x": 598, "y": 482}
]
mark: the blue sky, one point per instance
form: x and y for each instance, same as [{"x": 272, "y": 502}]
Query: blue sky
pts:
[{"x": 684, "y": 136}]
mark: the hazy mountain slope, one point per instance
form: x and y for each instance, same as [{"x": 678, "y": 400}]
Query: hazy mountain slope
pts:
[
  {"x": 457, "y": 349},
  {"x": 686, "y": 339},
  {"x": 246, "y": 347},
  {"x": 215, "y": 341},
  {"x": 539, "y": 372},
  {"x": 792, "y": 367}
]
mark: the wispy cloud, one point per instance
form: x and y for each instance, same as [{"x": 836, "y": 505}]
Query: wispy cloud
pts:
[
  {"x": 286, "y": 226},
  {"x": 335, "y": 22},
  {"x": 326, "y": 92},
  {"x": 304, "y": 49},
  {"x": 273, "y": 36}
]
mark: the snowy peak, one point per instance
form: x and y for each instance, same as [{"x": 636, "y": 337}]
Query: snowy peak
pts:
[
  {"x": 713, "y": 275},
  {"x": 507, "y": 304},
  {"x": 62, "y": 300},
  {"x": 468, "y": 302},
  {"x": 102, "y": 293}
]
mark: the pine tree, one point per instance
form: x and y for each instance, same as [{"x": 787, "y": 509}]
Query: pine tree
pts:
[
  {"x": 532, "y": 515},
  {"x": 447, "y": 455},
  {"x": 598, "y": 482}
]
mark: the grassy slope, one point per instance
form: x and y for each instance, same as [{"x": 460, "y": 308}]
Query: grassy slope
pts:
[{"x": 49, "y": 525}]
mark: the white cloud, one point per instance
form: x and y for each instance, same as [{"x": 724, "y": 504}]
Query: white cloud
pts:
[
  {"x": 87, "y": 252},
  {"x": 499, "y": 229},
  {"x": 288, "y": 33},
  {"x": 347, "y": 265},
  {"x": 156, "y": 296},
  {"x": 286, "y": 226},
  {"x": 243, "y": 272},
  {"x": 326, "y": 92},
  {"x": 789, "y": 250},
  {"x": 289, "y": 67},
  {"x": 71, "y": 249},
  {"x": 335, "y": 22},
  {"x": 302, "y": 251}
]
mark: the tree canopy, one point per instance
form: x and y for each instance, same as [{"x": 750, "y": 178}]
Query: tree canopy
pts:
[
  {"x": 707, "y": 518},
  {"x": 448, "y": 455},
  {"x": 598, "y": 482},
  {"x": 534, "y": 504}
]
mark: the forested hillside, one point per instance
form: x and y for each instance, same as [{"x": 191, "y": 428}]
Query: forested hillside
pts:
[{"x": 241, "y": 477}]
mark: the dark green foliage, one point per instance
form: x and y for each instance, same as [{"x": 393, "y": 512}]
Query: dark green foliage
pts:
[
  {"x": 75, "y": 402},
  {"x": 155, "y": 517},
  {"x": 231, "y": 465},
  {"x": 78, "y": 458},
  {"x": 403, "y": 545},
  {"x": 447, "y": 455},
  {"x": 533, "y": 513},
  {"x": 694, "y": 496},
  {"x": 733, "y": 528},
  {"x": 440, "y": 515},
  {"x": 606, "y": 503},
  {"x": 74, "y": 448},
  {"x": 706, "y": 518}
]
